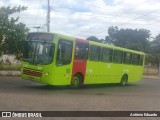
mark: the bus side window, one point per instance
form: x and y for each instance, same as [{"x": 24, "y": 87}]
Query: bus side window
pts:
[
  {"x": 118, "y": 55},
  {"x": 81, "y": 51},
  {"x": 127, "y": 58},
  {"x": 107, "y": 55},
  {"x": 64, "y": 52},
  {"x": 135, "y": 59},
  {"x": 94, "y": 53}
]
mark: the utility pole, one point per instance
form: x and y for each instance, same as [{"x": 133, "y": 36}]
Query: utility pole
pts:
[{"x": 48, "y": 17}]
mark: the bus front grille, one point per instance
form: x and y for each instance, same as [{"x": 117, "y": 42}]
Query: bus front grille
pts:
[{"x": 32, "y": 73}]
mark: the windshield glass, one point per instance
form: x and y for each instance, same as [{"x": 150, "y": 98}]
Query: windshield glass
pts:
[{"x": 38, "y": 52}]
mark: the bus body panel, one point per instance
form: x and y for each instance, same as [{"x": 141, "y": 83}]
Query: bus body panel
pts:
[
  {"x": 111, "y": 73},
  {"x": 62, "y": 74},
  {"x": 46, "y": 73}
]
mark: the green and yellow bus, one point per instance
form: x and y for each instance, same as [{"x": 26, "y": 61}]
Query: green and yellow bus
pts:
[{"x": 57, "y": 59}]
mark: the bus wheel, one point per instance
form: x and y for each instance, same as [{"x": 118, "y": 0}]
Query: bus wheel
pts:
[
  {"x": 76, "y": 81},
  {"x": 124, "y": 80}
]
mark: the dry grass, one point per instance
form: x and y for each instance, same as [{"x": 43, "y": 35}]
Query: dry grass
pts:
[
  {"x": 13, "y": 67},
  {"x": 150, "y": 71}
]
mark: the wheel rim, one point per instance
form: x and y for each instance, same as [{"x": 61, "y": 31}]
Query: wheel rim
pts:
[
  {"x": 124, "y": 80},
  {"x": 75, "y": 81}
]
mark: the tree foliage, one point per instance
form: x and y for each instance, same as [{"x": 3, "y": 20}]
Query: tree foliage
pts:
[
  {"x": 137, "y": 39},
  {"x": 108, "y": 40},
  {"x": 93, "y": 38},
  {"x": 155, "y": 51},
  {"x": 12, "y": 33}
]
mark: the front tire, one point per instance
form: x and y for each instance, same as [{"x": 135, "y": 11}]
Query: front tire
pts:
[{"x": 76, "y": 81}]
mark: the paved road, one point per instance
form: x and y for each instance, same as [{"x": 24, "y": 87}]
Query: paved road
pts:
[{"x": 21, "y": 95}]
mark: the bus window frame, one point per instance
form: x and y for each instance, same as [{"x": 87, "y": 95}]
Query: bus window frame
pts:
[
  {"x": 124, "y": 58},
  {"x": 100, "y": 54},
  {"x": 121, "y": 62},
  {"x": 66, "y": 40},
  {"x": 110, "y": 55},
  {"x": 83, "y": 53}
]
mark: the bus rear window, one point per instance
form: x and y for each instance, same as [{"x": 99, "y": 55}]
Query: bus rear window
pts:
[{"x": 40, "y": 36}]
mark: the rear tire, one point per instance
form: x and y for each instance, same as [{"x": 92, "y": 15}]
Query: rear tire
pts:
[
  {"x": 76, "y": 81},
  {"x": 124, "y": 80}
]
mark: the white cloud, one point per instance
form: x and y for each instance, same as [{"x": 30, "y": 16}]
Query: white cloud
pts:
[{"x": 90, "y": 17}]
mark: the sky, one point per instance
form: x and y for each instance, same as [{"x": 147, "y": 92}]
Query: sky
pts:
[{"x": 84, "y": 18}]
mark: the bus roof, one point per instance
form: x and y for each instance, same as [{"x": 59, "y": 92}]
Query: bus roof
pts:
[
  {"x": 97, "y": 43},
  {"x": 107, "y": 45},
  {"x": 115, "y": 47}
]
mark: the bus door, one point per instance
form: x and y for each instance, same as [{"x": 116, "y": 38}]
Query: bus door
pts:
[
  {"x": 63, "y": 70},
  {"x": 80, "y": 58}
]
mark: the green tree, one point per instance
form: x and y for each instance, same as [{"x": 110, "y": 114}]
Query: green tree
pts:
[
  {"x": 12, "y": 33},
  {"x": 155, "y": 51},
  {"x": 108, "y": 40},
  {"x": 137, "y": 39},
  {"x": 93, "y": 38}
]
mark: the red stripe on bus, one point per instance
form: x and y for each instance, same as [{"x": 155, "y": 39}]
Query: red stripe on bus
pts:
[{"x": 79, "y": 66}]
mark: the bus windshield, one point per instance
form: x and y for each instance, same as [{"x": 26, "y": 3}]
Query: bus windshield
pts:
[{"x": 38, "y": 52}]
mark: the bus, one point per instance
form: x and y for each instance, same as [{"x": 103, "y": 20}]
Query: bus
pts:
[{"x": 56, "y": 59}]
